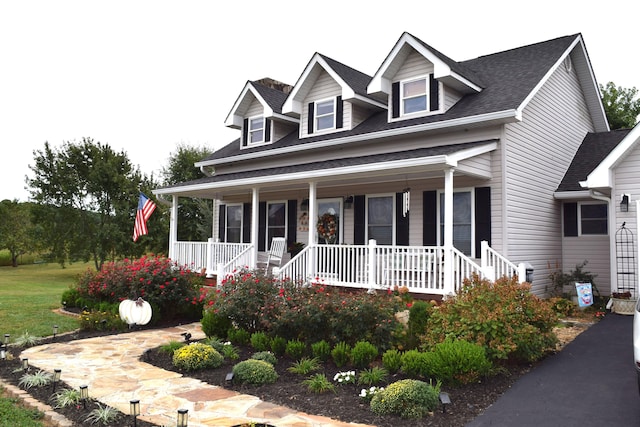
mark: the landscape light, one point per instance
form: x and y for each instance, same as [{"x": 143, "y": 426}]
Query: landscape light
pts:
[
  {"x": 183, "y": 418},
  {"x": 134, "y": 410}
]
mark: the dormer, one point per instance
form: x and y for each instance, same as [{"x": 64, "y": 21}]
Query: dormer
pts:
[
  {"x": 420, "y": 81},
  {"x": 258, "y": 113},
  {"x": 330, "y": 97}
]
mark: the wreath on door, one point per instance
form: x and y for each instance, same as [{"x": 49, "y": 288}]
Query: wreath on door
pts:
[{"x": 328, "y": 227}]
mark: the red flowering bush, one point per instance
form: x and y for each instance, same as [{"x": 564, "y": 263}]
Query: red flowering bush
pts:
[{"x": 169, "y": 288}]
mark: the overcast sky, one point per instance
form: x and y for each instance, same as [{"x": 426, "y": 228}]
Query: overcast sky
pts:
[{"x": 144, "y": 76}]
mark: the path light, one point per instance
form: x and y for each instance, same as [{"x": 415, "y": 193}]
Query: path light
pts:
[
  {"x": 3, "y": 352},
  {"x": 84, "y": 395},
  {"x": 229, "y": 378},
  {"x": 445, "y": 399},
  {"x": 25, "y": 365},
  {"x": 55, "y": 331},
  {"x": 134, "y": 410},
  {"x": 183, "y": 417},
  {"x": 56, "y": 378},
  {"x": 6, "y": 339},
  {"x": 186, "y": 335}
]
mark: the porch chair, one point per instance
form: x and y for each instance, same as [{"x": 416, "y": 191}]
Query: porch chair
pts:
[{"x": 275, "y": 255}]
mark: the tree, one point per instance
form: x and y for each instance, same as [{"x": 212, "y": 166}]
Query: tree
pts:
[
  {"x": 86, "y": 197},
  {"x": 620, "y": 106},
  {"x": 195, "y": 216},
  {"x": 16, "y": 229}
]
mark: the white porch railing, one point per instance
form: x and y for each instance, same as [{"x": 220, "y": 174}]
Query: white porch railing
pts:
[
  {"x": 242, "y": 260},
  {"x": 495, "y": 265},
  {"x": 191, "y": 254}
]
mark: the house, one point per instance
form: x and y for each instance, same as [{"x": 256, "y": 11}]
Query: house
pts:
[{"x": 424, "y": 172}]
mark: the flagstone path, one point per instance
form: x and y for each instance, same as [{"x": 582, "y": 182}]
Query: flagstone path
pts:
[{"x": 111, "y": 368}]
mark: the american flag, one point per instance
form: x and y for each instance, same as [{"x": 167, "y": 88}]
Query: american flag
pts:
[{"x": 145, "y": 209}]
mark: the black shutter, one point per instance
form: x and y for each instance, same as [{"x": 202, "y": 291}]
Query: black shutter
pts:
[
  {"x": 483, "y": 216},
  {"x": 434, "y": 101},
  {"x": 570, "y": 219},
  {"x": 359, "y": 220},
  {"x": 339, "y": 111},
  {"x": 402, "y": 222},
  {"x": 246, "y": 223},
  {"x": 222, "y": 222},
  {"x": 245, "y": 133},
  {"x": 262, "y": 226},
  {"x": 267, "y": 130},
  {"x": 310, "y": 119},
  {"x": 430, "y": 218},
  {"x": 395, "y": 100},
  {"x": 292, "y": 221}
]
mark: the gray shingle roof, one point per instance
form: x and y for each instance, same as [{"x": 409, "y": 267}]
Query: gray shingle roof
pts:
[
  {"x": 593, "y": 150},
  {"x": 275, "y": 98}
]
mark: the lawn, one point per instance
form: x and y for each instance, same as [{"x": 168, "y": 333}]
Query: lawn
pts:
[{"x": 29, "y": 294}]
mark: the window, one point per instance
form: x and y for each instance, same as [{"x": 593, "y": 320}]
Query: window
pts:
[
  {"x": 256, "y": 130},
  {"x": 325, "y": 115},
  {"x": 234, "y": 224},
  {"x": 414, "y": 96},
  {"x": 462, "y": 221},
  {"x": 593, "y": 218},
  {"x": 276, "y": 220},
  {"x": 380, "y": 219}
]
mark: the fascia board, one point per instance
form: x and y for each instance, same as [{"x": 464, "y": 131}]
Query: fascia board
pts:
[
  {"x": 379, "y": 83},
  {"x": 571, "y": 195},
  {"x": 234, "y": 119},
  {"x": 505, "y": 115},
  {"x": 472, "y": 152}
]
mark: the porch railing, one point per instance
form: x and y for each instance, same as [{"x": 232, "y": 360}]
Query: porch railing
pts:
[
  {"x": 243, "y": 259},
  {"x": 191, "y": 254},
  {"x": 495, "y": 265}
]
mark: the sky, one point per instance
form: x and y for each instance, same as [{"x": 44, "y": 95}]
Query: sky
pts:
[{"x": 144, "y": 76}]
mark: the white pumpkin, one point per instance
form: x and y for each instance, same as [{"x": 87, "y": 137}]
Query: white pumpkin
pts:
[{"x": 136, "y": 312}]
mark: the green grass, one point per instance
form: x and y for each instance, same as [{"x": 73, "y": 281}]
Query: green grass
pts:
[
  {"x": 12, "y": 414},
  {"x": 30, "y": 293}
]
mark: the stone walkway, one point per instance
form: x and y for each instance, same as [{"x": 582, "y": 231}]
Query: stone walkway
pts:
[{"x": 111, "y": 369}]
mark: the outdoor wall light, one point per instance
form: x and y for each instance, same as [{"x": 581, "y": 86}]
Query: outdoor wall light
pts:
[
  {"x": 55, "y": 331},
  {"x": 183, "y": 418},
  {"x": 445, "y": 399},
  {"x": 84, "y": 395},
  {"x": 25, "y": 364},
  {"x": 304, "y": 206},
  {"x": 56, "y": 378},
  {"x": 348, "y": 202},
  {"x": 624, "y": 203},
  {"x": 134, "y": 410}
]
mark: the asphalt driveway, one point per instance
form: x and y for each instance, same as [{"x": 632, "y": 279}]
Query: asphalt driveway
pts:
[{"x": 592, "y": 382}]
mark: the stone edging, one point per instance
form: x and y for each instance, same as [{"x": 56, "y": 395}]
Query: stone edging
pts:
[{"x": 49, "y": 414}]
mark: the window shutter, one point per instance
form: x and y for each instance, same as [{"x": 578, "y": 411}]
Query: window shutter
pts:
[
  {"x": 222, "y": 223},
  {"x": 310, "y": 119},
  {"x": 246, "y": 223},
  {"x": 402, "y": 223},
  {"x": 339, "y": 111},
  {"x": 430, "y": 218},
  {"x": 434, "y": 101},
  {"x": 267, "y": 130},
  {"x": 570, "y": 219},
  {"x": 359, "y": 220},
  {"x": 292, "y": 221},
  {"x": 483, "y": 216},
  {"x": 262, "y": 226},
  {"x": 395, "y": 100},
  {"x": 245, "y": 133}
]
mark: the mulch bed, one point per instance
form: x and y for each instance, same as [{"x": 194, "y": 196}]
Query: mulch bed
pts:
[{"x": 345, "y": 404}]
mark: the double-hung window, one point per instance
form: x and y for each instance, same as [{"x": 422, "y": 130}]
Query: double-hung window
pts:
[
  {"x": 593, "y": 218},
  {"x": 414, "y": 96},
  {"x": 325, "y": 114},
  {"x": 233, "y": 226},
  {"x": 256, "y": 130},
  {"x": 276, "y": 220},
  {"x": 380, "y": 211},
  {"x": 462, "y": 221}
]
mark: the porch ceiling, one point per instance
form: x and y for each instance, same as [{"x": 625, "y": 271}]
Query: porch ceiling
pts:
[{"x": 406, "y": 165}]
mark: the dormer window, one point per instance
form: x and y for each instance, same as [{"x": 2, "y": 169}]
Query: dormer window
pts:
[
  {"x": 325, "y": 115},
  {"x": 414, "y": 96},
  {"x": 256, "y": 130}
]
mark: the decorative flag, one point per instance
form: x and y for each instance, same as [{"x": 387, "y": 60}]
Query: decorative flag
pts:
[{"x": 145, "y": 209}]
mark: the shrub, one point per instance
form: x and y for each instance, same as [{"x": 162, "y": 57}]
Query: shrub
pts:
[
  {"x": 458, "y": 361},
  {"x": 321, "y": 350},
  {"x": 255, "y": 372},
  {"x": 304, "y": 366},
  {"x": 417, "y": 324},
  {"x": 392, "y": 360},
  {"x": 319, "y": 383},
  {"x": 278, "y": 345},
  {"x": 341, "y": 354},
  {"x": 101, "y": 321},
  {"x": 260, "y": 341},
  {"x": 414, "y": 363},
  {"x": 562, "y": 306},
  {"x": 229, "y": 351},
  {"x": 502, "y": 316},
  {"x": 406, "y": 398},
  {"x": 373, "y": 376},
  {"x": 171, "y": 347},
  {"x": 238, "y": 336},
  {"x": 71, "y": 298},
  {"x": 363, "y": 353},
  {"x": 267, "y": 356},
  {"x": 215, "y": 325},
  {"x": 295, "y": 349},
  {"x": 197, "y": 356}
]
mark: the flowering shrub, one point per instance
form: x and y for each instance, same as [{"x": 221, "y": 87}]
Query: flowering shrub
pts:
[
  {"x": 406, "y": 398},
  {"x": 502, "y": 316},
  {"x": 197, "y": 356},
  {"x": 101, "y": 321},
  {"x": 169, "y": 288},
  {"x": 255, "y": 372}
]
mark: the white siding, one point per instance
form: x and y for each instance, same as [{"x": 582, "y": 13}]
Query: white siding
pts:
[
  {"x": 255, "y": 109},
  {"x": 538, "y": 152},
  {"x": 594, "y": 250},
  {"x": 415, "y": 65}
]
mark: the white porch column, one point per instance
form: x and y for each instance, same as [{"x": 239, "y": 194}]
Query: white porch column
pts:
[
  {"x": 311, "y": 260},
  {"x": 448, "y": 231},
  {"x": 173, "y": 227},
  {"x": 255, "y": 219}
]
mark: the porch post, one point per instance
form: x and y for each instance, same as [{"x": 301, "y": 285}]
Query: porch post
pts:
[
  {"x": 311, "y": 258},
  {"x": 255, "y": 219},
  {"x": 448, "y": 232},
  {"x": 173, "y": 227}
]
